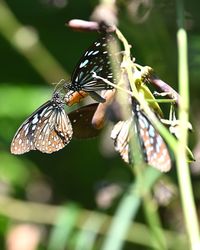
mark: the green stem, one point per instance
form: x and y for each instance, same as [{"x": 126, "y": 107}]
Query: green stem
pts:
[
  {"x": 185, "y": 184},
  {"x": 128, "y": 209},
  {"x": 129, "y": 205},
  {"x": 151, "y": 213}
]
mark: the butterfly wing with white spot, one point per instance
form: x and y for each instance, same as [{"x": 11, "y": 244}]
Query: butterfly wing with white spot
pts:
[
  {"x": 95, "y": 60},
  {"x": 120, "y": 135},
  {"x": 23, "y": 141},
  {"x": 48, "y": 129},
  {"x": 154, "y": 147},
  {"x": 155, "y": 151},
  {"x": 81, "y": 120},
  {"x": 54, "y": 131}
]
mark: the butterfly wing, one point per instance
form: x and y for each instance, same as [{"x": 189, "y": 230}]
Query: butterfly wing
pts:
[
  {"x": 48, "y": 129},
  {"x": 120, "y": 135},
  {"x": 53, "y": 132},
  {"x": 154, "y": 147},
  {"x": 81, "y": 120},
  {"x": 95, "y": 60},
  {"x": 23, "y": 141},
  {"x": 155, "y": 151}
]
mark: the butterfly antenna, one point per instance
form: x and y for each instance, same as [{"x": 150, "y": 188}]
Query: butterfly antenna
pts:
[{"x": 59, "y": 86}]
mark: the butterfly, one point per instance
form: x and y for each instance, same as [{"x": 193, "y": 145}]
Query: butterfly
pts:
[
  {"x": 48, "y": 129},
  {"x": 95, "y": 61},
  {"x": 153, "y": 146}
]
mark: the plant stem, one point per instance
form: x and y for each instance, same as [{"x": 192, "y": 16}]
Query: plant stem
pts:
[
  {"x": 128, "y": 209},
  {"x": 187, "y": 197}
]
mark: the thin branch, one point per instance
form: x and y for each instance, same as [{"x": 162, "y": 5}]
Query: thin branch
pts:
[{"x": 164, "y": 87}]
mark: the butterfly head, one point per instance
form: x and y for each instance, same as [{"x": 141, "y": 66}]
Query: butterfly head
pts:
[{"x": 57, "y": 99}]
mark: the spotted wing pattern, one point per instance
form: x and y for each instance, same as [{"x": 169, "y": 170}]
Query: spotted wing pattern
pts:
[
  {"x": 155, "y": 151},
  {"x": 95, "y": 60},
  {"x": 48, "y": 129},
  {"x": 154, "y": 147},
  {"x": 120, "y": 135}
]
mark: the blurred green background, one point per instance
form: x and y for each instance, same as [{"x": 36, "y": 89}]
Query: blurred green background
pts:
[{"x": 36, "y": 50}]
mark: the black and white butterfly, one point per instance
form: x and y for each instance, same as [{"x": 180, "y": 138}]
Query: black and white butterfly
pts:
[
  {"x": 95, "y": 61},
  {"x": 48, "y": 129},
  {"x": 153, "y": 146}
]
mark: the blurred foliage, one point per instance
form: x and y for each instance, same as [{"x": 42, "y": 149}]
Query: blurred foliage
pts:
[{"x": 84, "y": 168}]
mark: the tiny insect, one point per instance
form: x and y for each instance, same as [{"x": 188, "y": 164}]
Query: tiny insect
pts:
[
  {"x": 48, "y": 129},
  {"x": 95, "y": 61},
  {"x": 155, "y": 151}
]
